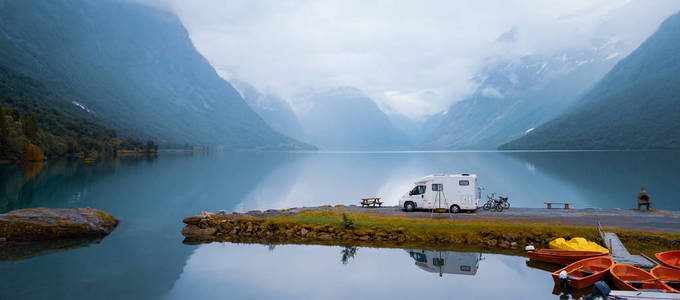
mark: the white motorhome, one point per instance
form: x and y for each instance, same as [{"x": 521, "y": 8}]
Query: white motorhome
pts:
[
  {"x": 454, "y": 192},
  {"x": 446, "y": 262}
]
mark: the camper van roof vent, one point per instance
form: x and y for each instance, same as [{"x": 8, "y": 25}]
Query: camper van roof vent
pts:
[{"x": 465, "y": 174}]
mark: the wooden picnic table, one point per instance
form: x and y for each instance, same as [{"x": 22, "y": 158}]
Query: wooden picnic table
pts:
[
  {"x": 370, "y": 202},
  {"x": 550, "y": 204}
]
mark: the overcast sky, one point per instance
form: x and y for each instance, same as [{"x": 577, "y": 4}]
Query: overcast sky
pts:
[{"x": 411, "y": 57}]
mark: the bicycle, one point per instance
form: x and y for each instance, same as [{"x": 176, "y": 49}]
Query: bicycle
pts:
[
  {"x": 496, "y": 204},
  {"x": 504, "y": 201}
]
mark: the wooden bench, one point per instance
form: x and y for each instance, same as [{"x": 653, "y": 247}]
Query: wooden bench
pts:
[
  {"x": 370, "y": 202},
  {"x": 550, "y": 204}
]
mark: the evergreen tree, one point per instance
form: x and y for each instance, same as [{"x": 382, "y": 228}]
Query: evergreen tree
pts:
[
  {"x": 16, "y": 114},
  {"x": 4, "y": 127},
  {"x": 30, "y": 128},
  {"x": 150, "y": 147},
  {"x": 4, "y": 134}
]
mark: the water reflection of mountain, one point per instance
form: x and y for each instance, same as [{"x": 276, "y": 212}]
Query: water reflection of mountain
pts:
[
  {"x": 499, "y": 173},
  {"x": 144, "y": 256},
  {"x": 446, "y": 262},
  {"x": 333, "y": 178},
  {"x": 611, "y": 179}
]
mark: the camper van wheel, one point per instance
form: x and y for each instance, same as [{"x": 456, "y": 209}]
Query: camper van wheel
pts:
[
  {"x": 454, "y": 209},
  {"x": 409, "y": 206}
]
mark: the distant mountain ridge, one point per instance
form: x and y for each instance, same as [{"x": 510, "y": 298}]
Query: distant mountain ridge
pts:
[
  {"x": 516, "y": 95},
  {"x": 635, "y": 106},
  {"x": 346, "y": 119},
  {"x": 273, "y": 109},
  {"x": 133, "y": 68}
]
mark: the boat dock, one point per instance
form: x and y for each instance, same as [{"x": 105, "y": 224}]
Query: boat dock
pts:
[
  {"x": 642, "y": 295},
  {"x": 619, "y": 252}
]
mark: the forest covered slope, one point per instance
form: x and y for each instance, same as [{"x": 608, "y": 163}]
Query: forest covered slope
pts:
[
  {"x": 132, "y": 68},
  {"x": 35, "y": 124}
]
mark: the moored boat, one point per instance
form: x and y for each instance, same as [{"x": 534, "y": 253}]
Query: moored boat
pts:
[
  {"x": 585, "y": 272},
  {"x": 670, "y": 258},
  {"x": 562, "y": 257},
  {"x": 629, "y": 278},
  {"x": 669, "y": 276}
]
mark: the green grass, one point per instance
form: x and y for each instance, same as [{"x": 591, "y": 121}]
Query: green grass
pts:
[{"x": 471, "y": 232}]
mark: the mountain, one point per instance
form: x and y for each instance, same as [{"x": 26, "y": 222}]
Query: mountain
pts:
[
  {"x": 35, "y": 123},
  {"x": 273, "y": 109},
  {"x": 417, "y": 130},
  {"x": 515, "y": 95},
  {"x": 346, "y": 119},
  {"x": 635, "y": 106},
  {"x": 132, "y": 68}
]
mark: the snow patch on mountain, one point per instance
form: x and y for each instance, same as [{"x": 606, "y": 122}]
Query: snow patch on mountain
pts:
[{"x": 81, "y": 106}]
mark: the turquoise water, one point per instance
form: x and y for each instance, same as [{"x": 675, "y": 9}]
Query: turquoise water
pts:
[{"x": 144, "y": 257}]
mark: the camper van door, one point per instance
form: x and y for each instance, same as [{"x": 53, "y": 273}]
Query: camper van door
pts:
[
  {"x": 427, "y": 197},
  {"x": 418, "y": 194},
  {"x": 466, "y": 192}
]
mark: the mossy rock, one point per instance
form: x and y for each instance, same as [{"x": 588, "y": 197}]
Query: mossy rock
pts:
[{"x": 42, "y": 224}]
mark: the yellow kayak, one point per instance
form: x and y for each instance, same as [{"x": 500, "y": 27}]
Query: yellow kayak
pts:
[{"x": 576, "y": 244}]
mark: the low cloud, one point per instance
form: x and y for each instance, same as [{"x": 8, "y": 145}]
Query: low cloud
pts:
[{"x": 411, "y": 57}]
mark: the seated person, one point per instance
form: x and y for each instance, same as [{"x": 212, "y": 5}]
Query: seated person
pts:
[{"x": 643, "y": 198}]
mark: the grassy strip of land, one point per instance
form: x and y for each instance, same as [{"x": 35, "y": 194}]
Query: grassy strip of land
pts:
[{"x": 351, "y": 227}]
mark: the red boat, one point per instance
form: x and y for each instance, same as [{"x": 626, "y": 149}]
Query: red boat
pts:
[
  {"x": 670, "y": 276},
  {"x": 669, "y": 258},
  {"x": 585, "y": 272},
  {"x": 629, "y": 278},
  {"x": 562, "y": 257}
]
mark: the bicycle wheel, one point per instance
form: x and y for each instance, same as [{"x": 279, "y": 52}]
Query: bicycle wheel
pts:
[{"x": 487, "y": 205}]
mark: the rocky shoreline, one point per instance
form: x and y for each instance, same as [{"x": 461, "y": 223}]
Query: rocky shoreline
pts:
[
  {"x": 291, "y": 227},
  {"x": 34, "y": 225}
]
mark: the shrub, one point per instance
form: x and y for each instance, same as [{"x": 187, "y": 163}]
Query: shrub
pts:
[
  {"x": 347, "y": 222},
  {"x": 33, "y": 153}
]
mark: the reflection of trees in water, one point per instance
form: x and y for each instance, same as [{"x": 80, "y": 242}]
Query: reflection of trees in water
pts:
[
  {"x": 143, "y": 257},
  {"x": 348, "y": 253},
  {"x": 19, "y": 185},
  {"x": 32, "y": 169}
]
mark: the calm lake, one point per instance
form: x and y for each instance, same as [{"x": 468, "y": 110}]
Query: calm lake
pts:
[{"x": 145, "y": 258}]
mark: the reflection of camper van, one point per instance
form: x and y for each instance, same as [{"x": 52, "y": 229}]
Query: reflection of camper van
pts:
[
  {"x": 454, "y": 192},
  {"x": 448, "y": 262}
]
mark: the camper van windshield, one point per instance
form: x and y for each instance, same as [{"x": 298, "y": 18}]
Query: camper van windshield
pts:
[{"x": 418, "y": 190}]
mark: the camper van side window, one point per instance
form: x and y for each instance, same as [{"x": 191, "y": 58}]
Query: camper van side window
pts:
[
  {"x": 463, "y": 182},
  {"x": 437, "y": 187},
  {"x": 418, "y": 190}
]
